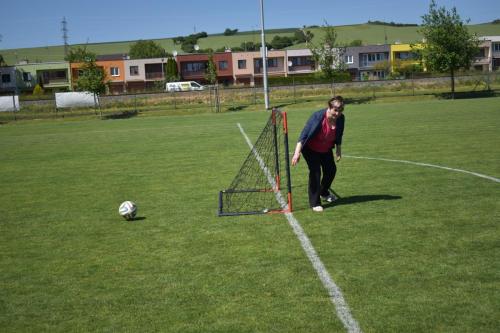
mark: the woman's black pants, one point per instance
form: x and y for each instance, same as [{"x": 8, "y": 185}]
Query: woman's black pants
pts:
[{"x": 317, "y": 163}]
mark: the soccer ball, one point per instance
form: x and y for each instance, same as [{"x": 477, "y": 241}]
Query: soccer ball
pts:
[{"x": 128, "y": 210}]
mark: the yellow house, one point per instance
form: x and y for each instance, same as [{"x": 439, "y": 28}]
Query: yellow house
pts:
[{"x": 403, "y": 56}]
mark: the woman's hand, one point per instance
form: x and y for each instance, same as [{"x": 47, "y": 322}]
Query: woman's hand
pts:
[
  {"x": 296, "y": 155},
  {"x": 339, "y": 153}
]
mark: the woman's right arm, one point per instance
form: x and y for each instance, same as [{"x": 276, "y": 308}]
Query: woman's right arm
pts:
[{"x": 296, "y": 155}]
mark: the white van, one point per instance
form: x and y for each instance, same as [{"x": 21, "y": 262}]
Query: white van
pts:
[{"x": 183, "y": 86}]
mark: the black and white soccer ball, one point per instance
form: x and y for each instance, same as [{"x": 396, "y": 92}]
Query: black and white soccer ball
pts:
[{"x": 128, "y": 210}]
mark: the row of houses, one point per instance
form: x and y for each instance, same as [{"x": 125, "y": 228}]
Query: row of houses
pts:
[{"x": 239, "y": 68}]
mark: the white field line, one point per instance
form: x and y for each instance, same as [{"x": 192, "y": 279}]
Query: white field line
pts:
[
  {"x": 336, "y": 297},
  {"x": 427, "y": 165}
]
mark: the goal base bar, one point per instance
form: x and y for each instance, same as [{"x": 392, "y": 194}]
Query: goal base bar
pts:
[{"x": 257, "y": 212}]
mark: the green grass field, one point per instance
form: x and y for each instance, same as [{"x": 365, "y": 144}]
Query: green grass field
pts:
[{"x": 413, "y": 248}]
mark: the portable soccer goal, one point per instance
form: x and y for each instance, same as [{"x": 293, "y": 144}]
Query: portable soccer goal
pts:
[
  {"x": 9, "y": 103},
  {"x": 263, "y": 184},
  {"x": 76, "y": 99}
]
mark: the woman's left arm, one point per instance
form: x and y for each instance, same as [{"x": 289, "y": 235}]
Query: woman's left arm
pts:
[{"x": 338, "y": 152}]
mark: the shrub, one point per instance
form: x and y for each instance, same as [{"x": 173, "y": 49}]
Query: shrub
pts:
[{"x": 38, "y": 90}]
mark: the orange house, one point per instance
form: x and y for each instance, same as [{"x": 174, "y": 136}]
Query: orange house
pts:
[{"x": 114, "y": 67}]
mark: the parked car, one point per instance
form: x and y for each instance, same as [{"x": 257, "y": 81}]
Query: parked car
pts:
[{"x": 183, "y": 86}]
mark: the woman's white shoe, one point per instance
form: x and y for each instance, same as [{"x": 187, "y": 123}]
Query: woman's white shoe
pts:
[{"x": 317, "y": 209}]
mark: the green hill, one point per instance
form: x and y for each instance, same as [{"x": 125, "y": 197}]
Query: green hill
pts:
[{"x": 368, "y": 33}]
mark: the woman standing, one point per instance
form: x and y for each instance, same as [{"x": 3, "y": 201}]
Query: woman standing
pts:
[{"x": 322, "y": 132}]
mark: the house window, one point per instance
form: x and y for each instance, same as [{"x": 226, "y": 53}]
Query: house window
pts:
[
  {"x": 496, "y": 47},
  {"x": 372, "y": 57},
  {"x": 242, "y": 64},
  {"x": 194, "y": 67},
  {"x": 273, "y": 62},
  {"x": 26, "y": 77},
  {"x": 349, "y": 59},
  {"x": 134, "y": 70},
  {"x": 114, "y": 71},
  {"x": 406, "y": 55},
  {"x": 379, "y": 74},
  {"x": 222, "y": 65},
  {"x": 364, "y": 60},
  {"x": 5, "y": 78},
  {"x": 301, "y": 61}
]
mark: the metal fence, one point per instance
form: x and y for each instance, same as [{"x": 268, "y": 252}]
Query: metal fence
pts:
[{"x": 227, "y": 99}]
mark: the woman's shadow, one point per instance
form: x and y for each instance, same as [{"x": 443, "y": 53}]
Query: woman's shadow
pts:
[{"x": 354, "y": 199}]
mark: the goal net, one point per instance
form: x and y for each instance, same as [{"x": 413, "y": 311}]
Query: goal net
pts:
[
  {"x": 9, "y": 103},
  {"x": 76, "y": 99},
  {"x": 263, "y": 184}
]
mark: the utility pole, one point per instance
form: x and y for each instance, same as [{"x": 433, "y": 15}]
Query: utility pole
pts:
[
  {"x": 264, "y": 55},
  {"x": 65, "y": 36}
]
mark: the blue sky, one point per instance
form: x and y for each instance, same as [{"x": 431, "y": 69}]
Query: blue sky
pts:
[{"x": 30, "y": 23}]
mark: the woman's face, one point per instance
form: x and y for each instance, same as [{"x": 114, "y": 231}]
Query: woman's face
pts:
[{"x": 336, "y": 110}]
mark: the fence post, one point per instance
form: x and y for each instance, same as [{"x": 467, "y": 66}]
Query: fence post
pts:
[
  {"x": 14, "y": 104},
  {"x": 294, "y": 97},
  {"x": 412, "y": 84},
  {"x": 210, "y": 97},
  {"x": 173, "y": 94},
  {"x": 254, "y": 95}
]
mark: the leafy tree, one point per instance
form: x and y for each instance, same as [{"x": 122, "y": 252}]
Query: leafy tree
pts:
[
  {"x": 248, "y": 46},
  {"x": 303, "y": 36},
  {"x": 237, "y": 49},
  {"x": 279, "y": 43},
  {"x": 188, "y": 47},
  {"x": 449, "y": 45},
  {"x": 145, "y": 49},
  {"x": 80, "y": 54},
  {"x": 211, "y": 74},
  {"x": 328, "y": 54},
  {"x": 172, "y": 73},
  {"x": 230, "y": 32},
  {"x": 2, "y": 61},
  {"x": 393, "y": 24},
  {"x": 91, "y": 78},
  {"x": 178, "y": 40}
]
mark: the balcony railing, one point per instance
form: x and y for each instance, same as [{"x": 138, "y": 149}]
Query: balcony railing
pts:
[
  {"x": 303, "y": 68},
  {"x": 193, "y": 74},
  {"x": 482, "y": 60},
  {"x": 154, "y": 75},
  {"x": 260, "y": 70},
  {"x": 55, "y": 81}
]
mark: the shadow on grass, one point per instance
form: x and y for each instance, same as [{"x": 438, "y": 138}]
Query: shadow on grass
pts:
[
  {"x": 279, "y": 106},
  {"x": 359, "y": 100},
  {"x": 237, "y": 108},
  {"x": 121, "y": 115},
  {"x": 355, "y": 199},
  {"x": 138, "y": 218},
  {"x": 468, "y": 94}
]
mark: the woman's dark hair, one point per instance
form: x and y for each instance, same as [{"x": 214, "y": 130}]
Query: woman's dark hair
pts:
[{"x": 337, "y": 98}]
